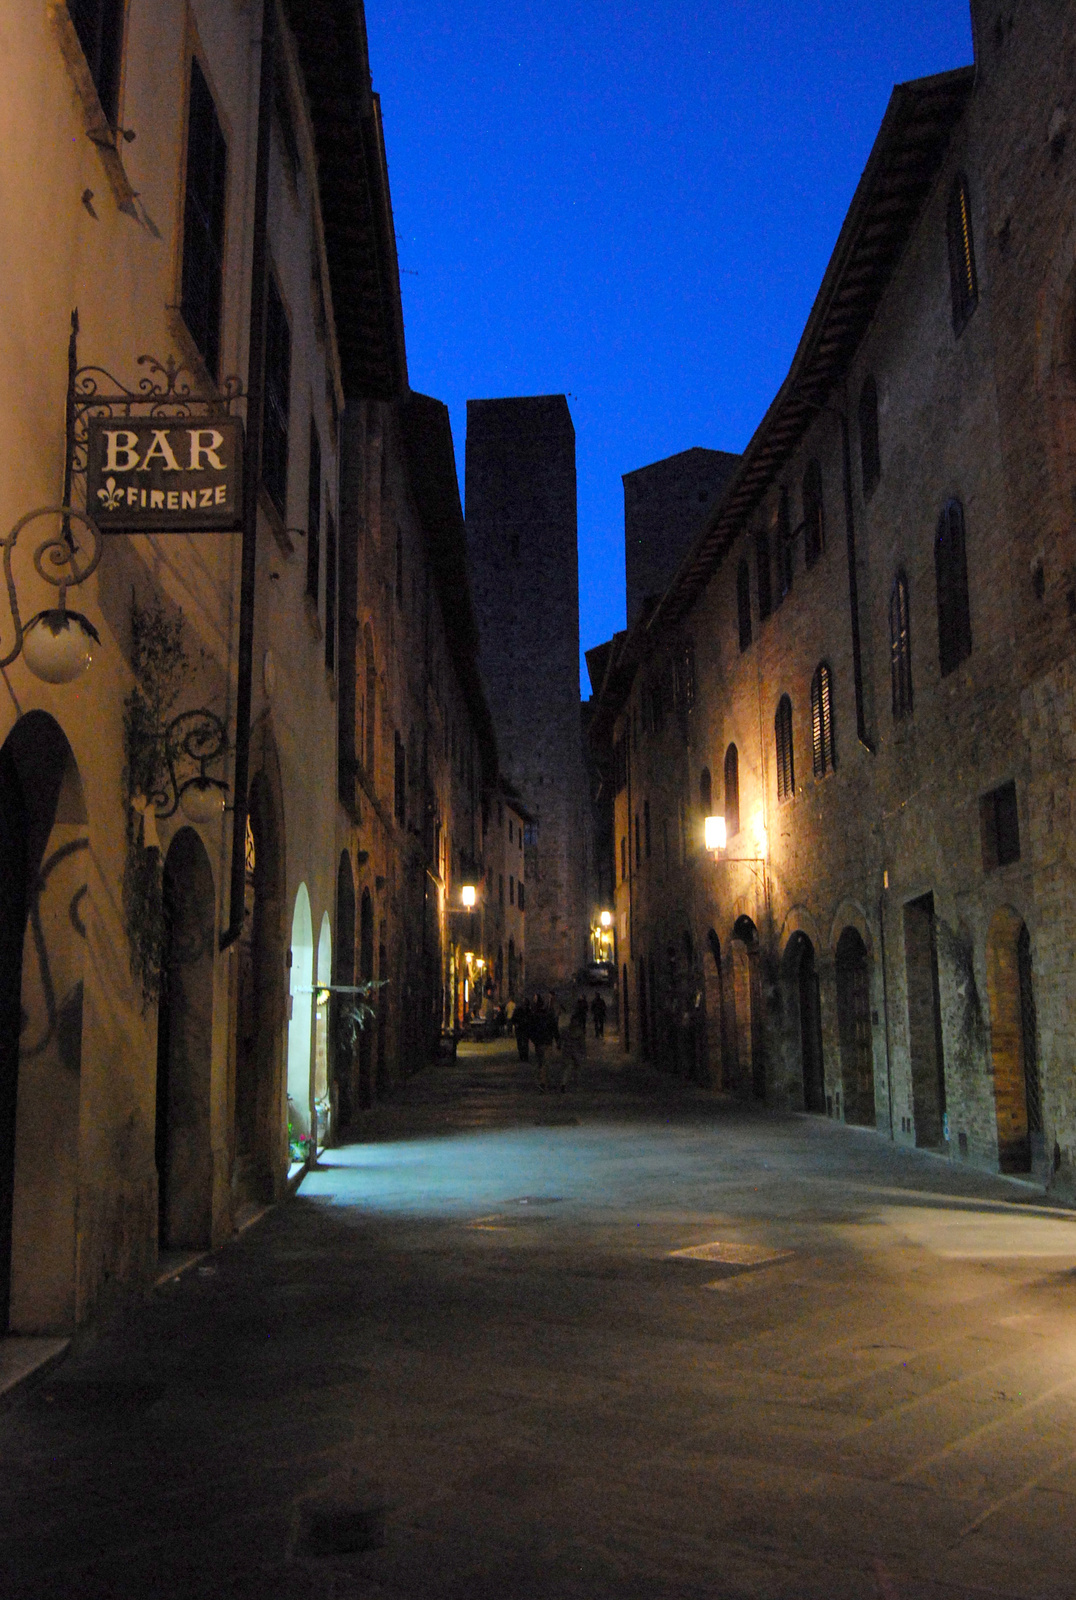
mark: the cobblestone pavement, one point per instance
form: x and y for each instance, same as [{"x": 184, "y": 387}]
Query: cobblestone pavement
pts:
[{"x": 485, "y": 1344}]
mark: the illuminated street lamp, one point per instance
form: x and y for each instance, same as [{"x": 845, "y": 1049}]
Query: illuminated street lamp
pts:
[
  {"x": 606, "y": 919},
  {"x": 468, "y": 895},
  {"x": 715, "y": 833}
]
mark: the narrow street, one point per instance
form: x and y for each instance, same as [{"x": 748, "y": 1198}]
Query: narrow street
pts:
[{"x": 490, "y": 1334}]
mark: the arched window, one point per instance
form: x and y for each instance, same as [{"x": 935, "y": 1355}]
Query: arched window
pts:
[
  {"x": 813, "y": 523},
  {"x": 951, "y": 573},
  {"x": 823, "y": 742},
  {"x": 732, "y": 791},
  {"x": 786, "y": 771},
  {"x": 706, "y": 792},
  {"x": 869, "y": 458},
  {"x": 962, "y": 278},
  {"x": 743, "y": 603},
  {"x": 900, "y": 647},
  {"x": 762, "y": 566}
]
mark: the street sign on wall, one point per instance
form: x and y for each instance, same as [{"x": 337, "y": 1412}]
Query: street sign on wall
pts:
[{"x": 165, "y": 474}]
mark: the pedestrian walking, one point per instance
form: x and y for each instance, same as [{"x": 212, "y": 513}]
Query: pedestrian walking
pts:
[
  {"x": 597, "y": 1012},
  {"x": 574, "y": 1044},
  {"x": 542, "y": 1029},
  {"x": 520, "y": 1024}
]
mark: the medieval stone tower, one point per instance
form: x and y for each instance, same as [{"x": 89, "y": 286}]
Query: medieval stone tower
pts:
[{"x": 523, "y": 562}]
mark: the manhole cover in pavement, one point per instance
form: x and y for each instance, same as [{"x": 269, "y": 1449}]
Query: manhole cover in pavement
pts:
[{"x": 731, "y": 1255}]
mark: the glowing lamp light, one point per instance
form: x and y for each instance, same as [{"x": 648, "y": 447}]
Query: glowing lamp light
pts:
[
  {"x": 57, "y": 646},
  {"x": 202, "y": 801},
  {"x": 715, "y": 833},
  {"x": 467, "y": 895},
  {"x": 607, "y": 919}
]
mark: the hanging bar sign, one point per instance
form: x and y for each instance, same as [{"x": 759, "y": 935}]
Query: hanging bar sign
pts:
[{"x": 165, "y": 474}]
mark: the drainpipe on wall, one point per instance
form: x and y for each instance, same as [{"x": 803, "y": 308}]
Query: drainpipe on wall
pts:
[{"x": 252, "y": 464}]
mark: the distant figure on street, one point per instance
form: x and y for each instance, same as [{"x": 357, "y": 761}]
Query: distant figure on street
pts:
[
  {"x": 520, "y": 1026},
  {"x": 542, "y": 1028},
  {"x": 574, "y": 1043},
  {"x": 597, "y": 1011}
]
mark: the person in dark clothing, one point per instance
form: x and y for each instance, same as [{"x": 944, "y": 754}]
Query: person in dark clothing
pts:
[
  {"x": 542, "y": 1029},
  {"x": 520, "y": 1026},
  {"x": 597, "y": 1012},
  {"x": 574, "y": 1044}
]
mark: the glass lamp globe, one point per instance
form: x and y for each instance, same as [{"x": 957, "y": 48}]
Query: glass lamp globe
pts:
[
  {"x": 57, "y": 646},
  {"x": 202, "y": 801}
]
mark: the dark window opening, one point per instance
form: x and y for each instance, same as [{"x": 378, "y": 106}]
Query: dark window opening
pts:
[
  {"x": 786, "y": 555},
  {"x": 277, "y": 401},
  {"x": 1000, "y": 825},
  {"x": 782, "y": 727},
  {"x": 962, "y": 278},
  {"x": 706, "y": 792},
  {"x": 743, "y": 603},
  {"x": 951, "y": 572},
  {"x": 732, "y": 791},
  {"x": 99, "y": 25},
  {"x": 900, "y": 647},
  {"x": 814, "y": 536},
  {"x": 313, "y": 517},
  {"x": 202, "y": 292},
  {"x": 762, "y": 567},
  {"x": 870, "y": 459},
  {"x": 330, "y": 593},
  {"x": 823, "y": 741}
]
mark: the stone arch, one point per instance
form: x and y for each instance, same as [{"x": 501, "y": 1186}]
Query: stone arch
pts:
[
  {"x": 342, "y": 1087},
  {"x": 300, "y": 1027},
  {"x": 851, "y": 914},
  {"x": 43, "y": 912},
  {"x": 366, "y": 973},
  {"x": 799, "y": 973},
  {"x": 853, "y": 966},
  {"x": 258, "y": 1149},
  {"x": 321, "y": 1028},
  {"x": 1013, "y": 1042},
  {"x": 799, "y": 919},
  {"x": 182, "y": 1137},
  {"x": 745, "y": 962}
]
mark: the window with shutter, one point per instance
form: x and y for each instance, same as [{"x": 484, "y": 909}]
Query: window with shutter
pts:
[
  {"x": 962, "y": 277},
  {"x": 951, "y": 573},
  {"x": 813, "y": 524},
  {"x": 870, "y": 459},
  {"x": 823, "y": 745},
  {"x": 786, "y": 774},
  {"x": 202, "y": 291},
  {"x": 743, "y": 603},
  {"x": 900, "y": 647}
]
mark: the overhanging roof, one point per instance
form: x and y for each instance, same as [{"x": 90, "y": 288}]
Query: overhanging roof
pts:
[
  {"x": 896, "y": 181},
  {"x": 353, "y": 183}
]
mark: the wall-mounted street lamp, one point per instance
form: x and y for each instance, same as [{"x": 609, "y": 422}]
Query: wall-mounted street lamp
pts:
[
  {"x": 606, "y": 919},
  {"x": 714, "y": 828},
  {"x": 468, "y": 895},
  {"x": 194, "y": 738},
  {"x": 56, "y": 644},
  {"x": 714, "y": 835}
]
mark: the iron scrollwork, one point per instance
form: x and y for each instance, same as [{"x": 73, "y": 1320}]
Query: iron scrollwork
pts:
[{"x": 193, "y": 739}]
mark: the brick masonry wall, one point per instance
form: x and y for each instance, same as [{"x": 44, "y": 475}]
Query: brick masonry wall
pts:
[
  {"x": 986, "y": 417},
  {"x": 523, "y": 564}
]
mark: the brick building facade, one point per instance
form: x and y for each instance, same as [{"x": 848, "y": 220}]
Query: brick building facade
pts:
[
  {"x": 523, "y": 563},
  {"x": 865, "y": 664}
]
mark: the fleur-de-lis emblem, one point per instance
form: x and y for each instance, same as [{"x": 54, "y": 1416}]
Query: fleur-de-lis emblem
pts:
[{"x": 110, "y": 494}]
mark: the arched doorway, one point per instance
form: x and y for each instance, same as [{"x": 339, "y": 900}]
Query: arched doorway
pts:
[
  {"x": 43, "y": 910},
  {"x": 854, "y": 1028},
  {"x": 300, "y": 1027},
  {"x": 256, "y": 1152},
  {"x": 714, "y": 999},
  {"x": 1014, "y": 1043},
  {"x": 182, "y": 1139},
  {"x": 747, "y": 1007},
  {"x": 321, "y": 1030},
  {"x": 802, "y": 973},
  {"x": 342, "y": 1089},
  {"x": 366, "y": 972}
]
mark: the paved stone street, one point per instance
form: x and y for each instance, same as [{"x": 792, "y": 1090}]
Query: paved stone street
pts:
[{"x": 480, "y": 1333}]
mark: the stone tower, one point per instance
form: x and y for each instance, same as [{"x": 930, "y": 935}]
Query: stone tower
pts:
[
  {"x": 665, "y": 505},
  {"x": 523, "y": 564}
]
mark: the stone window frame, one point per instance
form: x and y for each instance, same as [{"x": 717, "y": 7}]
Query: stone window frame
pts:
[{"x": 823, "y": 734}]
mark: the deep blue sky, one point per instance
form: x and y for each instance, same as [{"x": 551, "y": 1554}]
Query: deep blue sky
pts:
[{"x": 632, "y": 204}]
